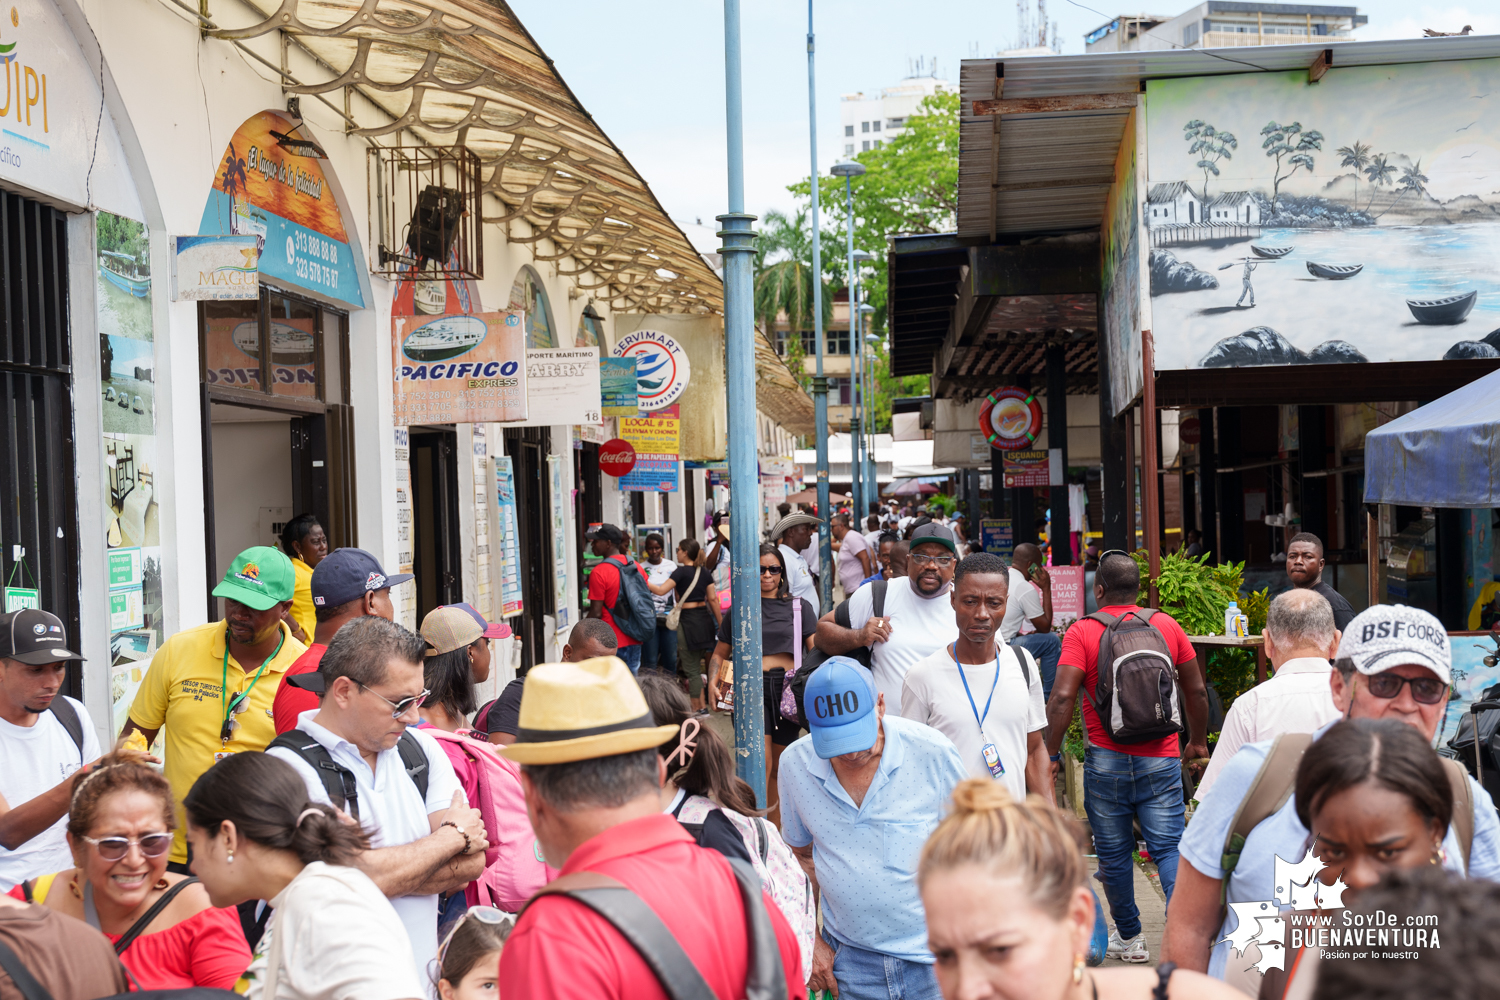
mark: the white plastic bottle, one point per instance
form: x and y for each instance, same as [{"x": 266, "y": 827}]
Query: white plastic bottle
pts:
[{"x": 1235, "y": 623}]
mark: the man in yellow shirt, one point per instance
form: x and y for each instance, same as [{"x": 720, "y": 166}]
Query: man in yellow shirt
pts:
[{"x": 212, "y": 686}]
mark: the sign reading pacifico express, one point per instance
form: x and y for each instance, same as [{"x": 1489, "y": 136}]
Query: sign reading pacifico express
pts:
[{"x": 466, "y": 369}]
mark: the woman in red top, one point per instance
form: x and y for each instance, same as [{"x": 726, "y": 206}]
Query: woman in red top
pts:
[{"x": 120, "y": 832}]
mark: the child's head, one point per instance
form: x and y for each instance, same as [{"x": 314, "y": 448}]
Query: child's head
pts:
[{"x": 469, "y": 960}]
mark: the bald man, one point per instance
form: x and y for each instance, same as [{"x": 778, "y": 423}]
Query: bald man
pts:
[{"x": 1031, "y": 604}]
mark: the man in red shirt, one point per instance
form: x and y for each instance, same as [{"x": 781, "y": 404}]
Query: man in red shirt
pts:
[
  {"x": 604, "y": 587},
  {"x": 1132, "y": 781},
  {"x": 346, "y": 584},
  {"x": 592, "y": 778}
]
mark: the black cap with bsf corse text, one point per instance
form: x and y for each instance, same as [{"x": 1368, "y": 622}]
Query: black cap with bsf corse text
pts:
[{"x": 34, "y": 638}]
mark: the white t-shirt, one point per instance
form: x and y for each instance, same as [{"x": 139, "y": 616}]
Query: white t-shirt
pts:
[
  {"x": 920, "y": 626},
  {"x": 934, "y": 695},
  {"x": 391, "y": 811},
  {"x": 341, "y": 940},
  {"x": 799, "y": 577},
  {"x": 1023, "y": 602},
  {"x": 873, "y": 538},
  {"x": 813, "y": 553},
  {"x": 657, "y": 573},
  {"x": 34, "y": 759}
]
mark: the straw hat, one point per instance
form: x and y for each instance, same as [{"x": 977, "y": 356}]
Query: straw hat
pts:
[
  {"x": 791, "y": 521},
  {"x": 579, "y": 711}
]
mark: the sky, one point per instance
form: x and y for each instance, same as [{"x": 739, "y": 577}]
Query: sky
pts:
[{"x": 652, "y": 75}]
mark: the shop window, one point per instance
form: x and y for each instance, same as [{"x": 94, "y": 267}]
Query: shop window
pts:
[
  {"x": 527, "y": 294},
  {"x": 308, "y": 352}
]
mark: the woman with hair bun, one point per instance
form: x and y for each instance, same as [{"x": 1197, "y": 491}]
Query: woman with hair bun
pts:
[
  {"x": 333, "y": 935},
  {"x": 164, "y": 927},
  {"x": 1009, "y": 914}
]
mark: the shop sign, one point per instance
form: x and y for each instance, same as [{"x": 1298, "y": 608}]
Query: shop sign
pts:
[
  {"x": 661, "y": 367},
  {"x": 561, "y": 587},
  {"x": 509, "y": 537},
  {"x": 995, "y": 537},
  {"x": 656, "y": 440},
  {"x": 1067, "y": 594},
  {"x": 459, "y": 369},
  {"x": 1010, "y": 418},
  {"x": 22, "y": 598},
  {"x": 262, "y": 190},
  {"x": 617, "y": 387},
  {"x": 1027, "y": 468},
  {"x": 562, "y": 387},
  {"x": 616, "y": 458},
  {"x": 215, "y": 268}
]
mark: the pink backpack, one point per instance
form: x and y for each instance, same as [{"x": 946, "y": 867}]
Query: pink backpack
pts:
[
  {"x": 779, "y": 870},
  {"x": 513, "y": 871}
]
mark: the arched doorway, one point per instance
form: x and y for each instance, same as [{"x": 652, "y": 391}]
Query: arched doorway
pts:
[{"x": 527, "y": 293}]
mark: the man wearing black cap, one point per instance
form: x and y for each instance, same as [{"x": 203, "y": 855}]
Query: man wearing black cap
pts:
[
  {"x": 44, "y": 736},
  {"x": 346, "y": 584},
  {"x": 604, "y": 587}
]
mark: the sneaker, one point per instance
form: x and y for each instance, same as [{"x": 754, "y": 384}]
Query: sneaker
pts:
[{"x": 1132, "y": 951}]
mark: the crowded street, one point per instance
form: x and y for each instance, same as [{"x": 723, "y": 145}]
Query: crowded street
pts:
[{"x": 506, "y": 500}]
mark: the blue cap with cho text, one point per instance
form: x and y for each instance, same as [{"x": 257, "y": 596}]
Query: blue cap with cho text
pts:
[{"x": 840, "y": 706}]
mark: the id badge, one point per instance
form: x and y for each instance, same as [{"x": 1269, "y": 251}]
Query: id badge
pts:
[{"x": 992, "y": 761}]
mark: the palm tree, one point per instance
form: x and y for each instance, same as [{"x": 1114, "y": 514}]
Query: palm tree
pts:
[
  {"x": 1413, "y": 181},
  {"x": 1358, "y": 157},
  {"x": 1379, "y": 173},
  {"x": 786, "y": 284},
  {"x": 235, "y": 178}
]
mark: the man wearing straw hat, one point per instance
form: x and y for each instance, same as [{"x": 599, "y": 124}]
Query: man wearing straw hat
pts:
[{"x": 587, "y": 749}]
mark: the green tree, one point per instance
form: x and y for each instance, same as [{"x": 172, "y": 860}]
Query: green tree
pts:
[
  {"x": 1358, "y": 157},
  {"x": 1210, "y": 146},
  {"x": 784, "y": 282},
  {"x": 1292, "y": 149}
]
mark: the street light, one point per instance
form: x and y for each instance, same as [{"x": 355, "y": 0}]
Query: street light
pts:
[
  {"x": 848, "y": 170},
  {"x": 867, "y": 411},
  {"x": 820, "y": 383},
  {"x": 858, "y": 426}
]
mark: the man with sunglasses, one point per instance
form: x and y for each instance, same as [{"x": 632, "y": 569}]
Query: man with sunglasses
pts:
[
  {"x": 423, "y": 842},
  {"x": 1393, "y": 662}
]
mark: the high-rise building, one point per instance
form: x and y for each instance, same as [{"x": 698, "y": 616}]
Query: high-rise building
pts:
[
  {"x": 1224, "y": 23},
  {"x": 869, "y": 120}
]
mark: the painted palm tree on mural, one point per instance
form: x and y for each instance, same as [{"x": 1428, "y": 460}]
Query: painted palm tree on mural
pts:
[
  {"x": 1379, "y": 174},
  {"x": 1292, "y": 149},
  {"x": 235, "y": 178},
  {"x": 1210, "y": 146},
  {"x": 1412, "y": 181},
  {"x": 1358, "y": 157}
]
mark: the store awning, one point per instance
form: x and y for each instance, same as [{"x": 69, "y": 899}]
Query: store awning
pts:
[
  {"x": 778, "y": 394},
  {"x": 1444, "y": 454},
  {"x": 466, "y": 72}
]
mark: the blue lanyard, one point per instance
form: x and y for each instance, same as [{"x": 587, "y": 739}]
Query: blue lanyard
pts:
[{"x": 977, "y": 717}]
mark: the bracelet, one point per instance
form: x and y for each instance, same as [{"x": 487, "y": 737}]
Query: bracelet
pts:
[
  {"x": 468, "y": 844},
  {"x": 1055, "y": 758}
]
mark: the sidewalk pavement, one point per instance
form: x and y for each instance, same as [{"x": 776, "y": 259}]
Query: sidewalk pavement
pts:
[{"x": 1149, "y": 898}]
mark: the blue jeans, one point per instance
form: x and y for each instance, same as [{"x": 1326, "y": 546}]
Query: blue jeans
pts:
[
  {"x": 1120, "y": 787},
  {"x": 870, "y": 975},
  {"x": 632, "y": 657},
  {"x": 1046, "y": 649},
  {"x": 659, "y": 651}
]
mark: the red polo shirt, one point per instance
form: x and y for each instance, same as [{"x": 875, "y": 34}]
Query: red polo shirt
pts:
[
  {"x": 562, "y": 949},
  {"x": 290, "y": 701}
]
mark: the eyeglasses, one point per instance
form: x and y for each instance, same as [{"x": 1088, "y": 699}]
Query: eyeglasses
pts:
[
  {"x": 484, "y": 914},
  {"x": 942, "y": 562},
  {"x": 772, "y": 570},
  {"x": 399, "y": 708},
  {"x": 152, "y": 845},
  {"x": 1424, "y": 690}
]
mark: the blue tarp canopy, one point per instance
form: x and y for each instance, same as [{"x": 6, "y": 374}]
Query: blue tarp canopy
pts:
[{"x": 1444, "y": 454}]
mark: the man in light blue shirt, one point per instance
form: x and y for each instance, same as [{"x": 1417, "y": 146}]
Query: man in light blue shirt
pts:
[
  {"x": 1393, "y": 662},
  {"x": 859, "y": 796}
]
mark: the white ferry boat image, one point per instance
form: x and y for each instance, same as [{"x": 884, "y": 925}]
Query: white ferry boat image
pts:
[
  {"x": 289, "y": 345},
  {"x": 430, "y": 297},
  {"x": 444, "y": 338}
]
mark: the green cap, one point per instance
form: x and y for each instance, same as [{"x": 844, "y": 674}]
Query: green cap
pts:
[{"x": 260, "y": 577}]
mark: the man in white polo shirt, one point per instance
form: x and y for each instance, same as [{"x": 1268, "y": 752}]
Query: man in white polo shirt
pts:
[{"x": 396, "y": 781}]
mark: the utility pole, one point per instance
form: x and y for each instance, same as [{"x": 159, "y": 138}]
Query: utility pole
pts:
[
  {"x": 848, "y": 170},
  {"x": 820, "y": 382}
]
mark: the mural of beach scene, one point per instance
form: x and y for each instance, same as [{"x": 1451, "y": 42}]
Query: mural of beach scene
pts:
[{"x": 1356, "y": 219}]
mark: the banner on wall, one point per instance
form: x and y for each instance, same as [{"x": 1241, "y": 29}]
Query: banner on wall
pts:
[
  {"x": 508, "y": 544},
  {"x": 560, "y": 575},
  {"x": 617, "y": 387},
  {"x": 662, "y": 371},
  {"x": 656, "y": 440},
  {"x": 562, "y": 386},
  {"x": 459, "y": 369},
  {"x": 995, "y": 537},
  {"x": 403, "y": 595},
  {"x": 215, "y": 268},
  {"x": 1067, "y": 595}
]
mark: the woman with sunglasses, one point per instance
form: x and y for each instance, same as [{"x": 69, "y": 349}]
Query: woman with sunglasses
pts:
[
  {"x": 333, "y": 934},
  {"x": 782, "y": 646},
  {"x": 469, "y": 959},
  {"x": 693, "y": 582},
  {"x": 163, "y": 926}
]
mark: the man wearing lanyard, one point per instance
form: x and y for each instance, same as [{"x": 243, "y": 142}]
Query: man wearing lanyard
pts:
[
  {"x": 983, "y": 695},
  {"x": 212, "y": 686}
]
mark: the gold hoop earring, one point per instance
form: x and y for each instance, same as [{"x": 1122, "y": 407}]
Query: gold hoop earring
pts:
[{"x": 1078, "y": 970}]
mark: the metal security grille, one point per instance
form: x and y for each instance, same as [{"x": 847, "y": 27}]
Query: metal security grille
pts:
[{"x": 38, "y": 495}]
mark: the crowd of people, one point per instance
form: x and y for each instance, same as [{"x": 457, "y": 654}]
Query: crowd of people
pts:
[{"x": 309, "y": 801}]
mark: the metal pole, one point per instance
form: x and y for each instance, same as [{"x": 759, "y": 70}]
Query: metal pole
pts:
[
  {"x": 856, "y": 464},
  {"x": 744, "y": 472},
  {"x": 820, "y": 382}
]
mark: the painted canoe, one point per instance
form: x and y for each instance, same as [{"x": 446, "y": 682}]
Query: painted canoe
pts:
[
  {"x": 1270, "y": 253},
  {"x": 140, "y": 287},
  {"x": 1334, "y": 272},
  {"x": 1450, "y": 309}
]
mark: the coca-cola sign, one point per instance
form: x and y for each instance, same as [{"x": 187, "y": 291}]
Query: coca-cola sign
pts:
[{"x": 616, "y": 458}]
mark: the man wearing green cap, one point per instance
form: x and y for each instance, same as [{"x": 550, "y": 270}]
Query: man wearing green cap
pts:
[{"x": 212, "y": 686}]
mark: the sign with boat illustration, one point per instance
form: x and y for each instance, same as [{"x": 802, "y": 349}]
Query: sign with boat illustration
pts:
[
  {"x": 459, "y": 368},
  {"x": 232, "y": 350},
  {"x": 661, "y": 367},
  {"x": 1355, "y": 220},
  {"x": 214, "y": 268}
]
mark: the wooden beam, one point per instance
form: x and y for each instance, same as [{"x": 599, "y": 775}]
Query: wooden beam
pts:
[
  {"x": 1044, "y": 105},
  {"x": 1320, "y": 66},
  {"x": 995, "y": 154},
  {"x": 1095, "y": 182},
  {"x": 1035, "y": 269}
]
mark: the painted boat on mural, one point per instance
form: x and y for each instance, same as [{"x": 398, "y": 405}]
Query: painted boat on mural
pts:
[
  {"x": 1450, "y": 309},
  {"x": 1334, "y": 272},
  {"x": 1270, "y": 253},
  {"x": 124, "y": 272}
]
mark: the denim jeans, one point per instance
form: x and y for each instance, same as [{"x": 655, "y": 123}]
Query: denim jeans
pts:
[
  {"x": 870, "y": 975},
  {"x": 1046, "y": 649},
  {"x": 659, "y": 651},
  {"x": 1119, "y": 787},
  {"x": 632, "y": 657}
]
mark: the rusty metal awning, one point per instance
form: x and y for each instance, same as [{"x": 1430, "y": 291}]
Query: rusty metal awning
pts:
[
  {"x": 467, "y": 72},
  {"x": 778, "y": 395}
]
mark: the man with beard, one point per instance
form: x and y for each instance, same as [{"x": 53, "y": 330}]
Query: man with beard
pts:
[{"x": 1304, "y": 568}]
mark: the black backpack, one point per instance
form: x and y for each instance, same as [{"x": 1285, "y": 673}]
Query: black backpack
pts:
[
  {"x": 634, "y": 611},
  {"x": 67, "y": 717},
  {"x": 861, "y": 654},
  {"x": 338, "y": 781},
  {"x": 1135, "y": 693}
]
